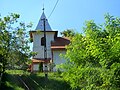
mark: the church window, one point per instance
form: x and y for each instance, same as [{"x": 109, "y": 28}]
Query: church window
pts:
[{"x": 42, "y": 41}]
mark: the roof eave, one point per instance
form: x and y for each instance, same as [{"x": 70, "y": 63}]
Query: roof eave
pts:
[{"x": 31, "y": 36}]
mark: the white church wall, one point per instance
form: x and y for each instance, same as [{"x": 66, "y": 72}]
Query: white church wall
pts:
[
  {"x": 49, "y": 38},
  {"x": 57, "y": 59},
  {"x": 37, "y": 44},
  {"x": 35, "y": 67}
]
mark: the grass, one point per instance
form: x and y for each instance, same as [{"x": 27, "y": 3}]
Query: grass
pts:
[
  {"x": 12, "y": 86},
  {"x": 36, "y": 81},
  {"x": 20, "y": 72},
  {"x": 9, "y": 82},
  {"x": 52, "y": 83}
]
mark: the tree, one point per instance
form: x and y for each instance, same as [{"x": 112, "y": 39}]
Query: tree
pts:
[
  {"x": 93, "y": 59},
  {"x": 68, "y": 33},
  {"x": 14, "y": 48}
]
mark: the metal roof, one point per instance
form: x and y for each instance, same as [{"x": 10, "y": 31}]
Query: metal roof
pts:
[{"x": 40, "y": 25}]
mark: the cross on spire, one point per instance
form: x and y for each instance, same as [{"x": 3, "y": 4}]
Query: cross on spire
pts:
[{"x": 43, "y": 8}]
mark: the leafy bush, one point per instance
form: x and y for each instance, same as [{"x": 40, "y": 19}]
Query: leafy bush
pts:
[{"x": 93, "y": 59}]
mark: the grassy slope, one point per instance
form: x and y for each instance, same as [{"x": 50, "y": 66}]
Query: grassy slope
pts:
[
  {"x": 10, "y": 82},
  {"x": 35, "y": 81},
  {"x": 52, "y": 83}
]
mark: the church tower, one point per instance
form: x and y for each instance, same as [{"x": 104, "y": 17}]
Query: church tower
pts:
[
  {"x": 39, "y": 41},
  {"x": 47, "y": 46}
]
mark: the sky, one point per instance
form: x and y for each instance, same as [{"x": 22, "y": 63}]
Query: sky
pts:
[{"x": 68, "y": 14}]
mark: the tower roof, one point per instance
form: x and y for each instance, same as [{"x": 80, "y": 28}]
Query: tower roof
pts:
[{"x": 40, "y": 25}]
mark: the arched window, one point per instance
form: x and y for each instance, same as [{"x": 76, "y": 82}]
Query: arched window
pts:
[{"x": 42, "y": 41}]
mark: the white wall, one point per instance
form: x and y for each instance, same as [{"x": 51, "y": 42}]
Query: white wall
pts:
[
  {"x": 35, "y": 67},
  {"x": 40, "y": 49},
  {"x": 37, "y": 44},
  {"x": 57, "y": 59}
]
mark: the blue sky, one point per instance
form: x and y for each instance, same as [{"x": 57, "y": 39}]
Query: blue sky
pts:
[{"x": 68, "y": 14}]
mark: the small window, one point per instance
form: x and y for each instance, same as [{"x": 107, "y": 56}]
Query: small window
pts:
[{"x": 42, "y": 41}]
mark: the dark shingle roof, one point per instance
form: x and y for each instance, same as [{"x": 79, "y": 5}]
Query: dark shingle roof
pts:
[{"x": 60, "y": 43}]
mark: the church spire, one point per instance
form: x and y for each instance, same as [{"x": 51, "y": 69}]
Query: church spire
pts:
[{"x": 40, "y": 25}]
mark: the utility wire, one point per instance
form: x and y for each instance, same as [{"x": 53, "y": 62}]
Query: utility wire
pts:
[{"x": 53, "y": 8}]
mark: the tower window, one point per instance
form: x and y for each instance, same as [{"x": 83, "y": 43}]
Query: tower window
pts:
[{"x": 42, "y": 41}]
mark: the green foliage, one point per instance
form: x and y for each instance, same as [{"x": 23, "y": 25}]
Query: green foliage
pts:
[
  {"x": 10, "y": 82},
  {"x": 14, "y": 48},
  {"x": 68, "y": 33},
  {"x": 93, "y": 59},
  {"x": 53, "y": 82},
  {"x": 34, "y": 81}
]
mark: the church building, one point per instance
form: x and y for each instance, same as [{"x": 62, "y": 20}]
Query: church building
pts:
[{"x": 48, "y": 46}]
